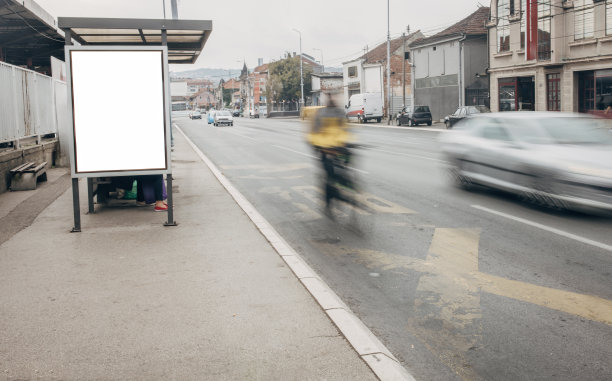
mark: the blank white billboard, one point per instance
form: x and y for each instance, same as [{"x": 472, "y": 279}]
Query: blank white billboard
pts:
[{"x": 118, "y": 110}]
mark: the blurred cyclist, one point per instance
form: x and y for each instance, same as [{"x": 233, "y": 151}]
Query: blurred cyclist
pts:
[{"x": 330, "y": 137}]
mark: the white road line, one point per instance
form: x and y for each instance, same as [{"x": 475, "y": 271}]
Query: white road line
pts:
[
  {"x": 547, "y": 228},
  {"x": 244, "y": 136},
  {"x": 409, "y": 155},
  {"x": 366, "y": 344},
  {"x": 317, "y": 158},
  {"x": 298, "y": 152}
]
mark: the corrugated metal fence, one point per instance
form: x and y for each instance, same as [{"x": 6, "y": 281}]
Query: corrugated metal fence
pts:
[{"x": 29, "y": 103}]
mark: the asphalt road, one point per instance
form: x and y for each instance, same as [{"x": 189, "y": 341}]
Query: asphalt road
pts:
[{"x": 458, "y": 285}]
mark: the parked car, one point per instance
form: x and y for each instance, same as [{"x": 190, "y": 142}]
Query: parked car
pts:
[
  {"x": 558, "y": 159},
  {"x": 414, "y": 117},
  {"x": 463, "y": 112},
  {"x": 365, "y": 106},
  {"x": 223, "y": 118},
  {"x": 211, "y": 116},
  {"x": 253, "y": 114},
  {"x": 195, "y": 115},
  {"x": 236, "y": 112}
]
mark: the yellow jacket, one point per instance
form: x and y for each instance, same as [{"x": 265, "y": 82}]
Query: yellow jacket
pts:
[{"x": 329, "y": 129}]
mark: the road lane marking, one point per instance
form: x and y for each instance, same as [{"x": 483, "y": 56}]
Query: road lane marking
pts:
[
  {"x": 317, "y": 158},
  {"x": 297, "y": 152},
  {"x": 244, "y": 136},
  {"x": 546, "y": 228},
  {"x": 408, "y": 155},
  {"x": 587, "y": 306}
]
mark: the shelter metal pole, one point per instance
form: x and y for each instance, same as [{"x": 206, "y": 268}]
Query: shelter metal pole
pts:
[
  {"x": 170, "y": 221},
  {"x": 75, "y": 205},
  {"x": 90, "y": 195},
  {"x": 75, "y": 181}
]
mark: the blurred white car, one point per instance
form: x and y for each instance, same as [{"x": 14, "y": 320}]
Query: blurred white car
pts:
[
  {"x": 223, "y": 117},
  {"x": 195, "y": 115},
  {"x": 561, "y": 160}
]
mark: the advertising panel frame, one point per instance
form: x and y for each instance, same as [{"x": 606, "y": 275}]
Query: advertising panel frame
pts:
[{"x": 166, "y": 111}]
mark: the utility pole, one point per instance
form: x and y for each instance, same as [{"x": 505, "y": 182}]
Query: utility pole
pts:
[
  {"x": 174, "y": 10},
  {"x": 388, "y": 67},
  {"x": 301, "y": 71},
  {"x": 404, "y": 71}
]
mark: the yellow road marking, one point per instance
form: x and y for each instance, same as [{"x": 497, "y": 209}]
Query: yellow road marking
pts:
[{"x": 451, "y": 273}]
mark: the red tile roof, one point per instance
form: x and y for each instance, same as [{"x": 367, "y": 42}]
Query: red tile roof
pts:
[{"x": 473, "y": 25}]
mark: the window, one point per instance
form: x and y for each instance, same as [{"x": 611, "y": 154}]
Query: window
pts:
[
  {"x": 523, "y": 22},
  {"x": 503, "y": 26},
  {"x": 544, "y": 17},
  {"x": 544, "y": 38},
  {"x": 553, "y": 90},
  {"x": 608, "y": 17},
  {"x": 583, "y": 19},
  {"x": 352, "y": 71}
]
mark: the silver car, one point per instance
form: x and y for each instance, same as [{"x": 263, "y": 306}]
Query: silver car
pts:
[{"x": 561, "y": 160}]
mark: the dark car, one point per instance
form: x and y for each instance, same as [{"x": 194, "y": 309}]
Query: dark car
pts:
[
  {"x": 463, "y": 112},
  {"x": 419, "y": 115},
  {"x": 236, "y": 112}
]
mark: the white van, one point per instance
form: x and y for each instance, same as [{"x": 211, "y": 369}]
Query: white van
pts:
[{"x": 365, "y": 106}]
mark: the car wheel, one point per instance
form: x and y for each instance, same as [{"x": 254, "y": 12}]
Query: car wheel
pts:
[
  {"x": 378, "y": 120},
  {"x": 447, "y": 125},
  {"x": 459, "y": 179},
  {"x": 429, "y": 123}
]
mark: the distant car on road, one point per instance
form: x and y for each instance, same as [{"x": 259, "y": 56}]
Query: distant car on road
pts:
[
  {"x": 253, "y": 114},
  {"x": 561, "y": 160},
  {"x": 211, "y": 116},
  {"x": 223, "y": 118},
  {"x": 414, "y": 117},
  {"x": 463, "y": 112},
  {"x": 195, "y": 115},
  {"x": 236, "y": 112}
]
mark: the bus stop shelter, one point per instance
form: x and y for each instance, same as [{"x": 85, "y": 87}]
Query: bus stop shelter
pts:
[{"x": 119, "y": 96}]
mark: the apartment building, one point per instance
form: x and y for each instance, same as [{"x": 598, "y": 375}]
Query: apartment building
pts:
[{"x": 553, "y": 55}]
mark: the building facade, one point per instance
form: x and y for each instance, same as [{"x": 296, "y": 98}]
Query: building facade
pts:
[
  {"x": 325, "y": 83},
  {"x": 558, "y": 59},
  {"x": 367, "y": 73},
  {"x": 449, "y": 68}
]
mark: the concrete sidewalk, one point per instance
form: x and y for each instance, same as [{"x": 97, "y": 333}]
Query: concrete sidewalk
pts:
[{"x": 128, "y": 298}]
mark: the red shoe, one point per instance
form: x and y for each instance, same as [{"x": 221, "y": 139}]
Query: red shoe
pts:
[{"x": 161, "y": 208}]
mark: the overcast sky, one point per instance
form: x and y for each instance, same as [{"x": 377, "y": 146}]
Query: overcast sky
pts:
[{"x": 252, "y": 29}]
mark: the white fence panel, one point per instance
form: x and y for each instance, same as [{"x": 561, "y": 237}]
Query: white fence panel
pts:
[{"x": 27, "y": 104}]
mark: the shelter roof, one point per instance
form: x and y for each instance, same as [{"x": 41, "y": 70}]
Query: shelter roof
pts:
[
  {"x": 27, "y": 31},
  {"x": 185, "y": 38}
]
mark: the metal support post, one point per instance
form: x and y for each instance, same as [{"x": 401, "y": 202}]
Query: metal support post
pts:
[
  {"x": 75, "y": 206},
  {"x": 90, "y": 195},
  {"x": 170, "y": 221}
]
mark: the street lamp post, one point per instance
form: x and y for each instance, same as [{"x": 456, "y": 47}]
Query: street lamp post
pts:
[
  {"x": 388, "y": 67},
  {"x": 301, "y": 71}
]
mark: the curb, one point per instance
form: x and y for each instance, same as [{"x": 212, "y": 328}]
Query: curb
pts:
[{"x": 380, "y": 360}]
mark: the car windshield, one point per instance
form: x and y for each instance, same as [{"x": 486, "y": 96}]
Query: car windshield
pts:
[
  {"x": 223, "y": 113},
  {"x": 421, "y": 109},
  {"x": 557, "y": 130}
]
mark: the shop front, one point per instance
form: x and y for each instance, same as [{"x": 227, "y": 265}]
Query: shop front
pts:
[
  {"x": 595, "y": 92},
  {"x": 517, "y": 94}
]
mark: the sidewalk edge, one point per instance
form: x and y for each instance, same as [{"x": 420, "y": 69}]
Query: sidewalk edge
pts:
[{"x": 373, "y": 352}]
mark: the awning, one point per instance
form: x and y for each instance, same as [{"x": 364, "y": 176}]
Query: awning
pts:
[{"x": 185, "y": 38}]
